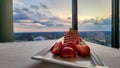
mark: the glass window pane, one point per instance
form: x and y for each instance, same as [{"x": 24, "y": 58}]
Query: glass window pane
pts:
[
  {"x": 95, "y": 21},
  {"x": 41, "y": 19}
]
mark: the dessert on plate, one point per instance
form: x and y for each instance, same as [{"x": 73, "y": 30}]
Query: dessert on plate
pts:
[{"x": 71, "y": 46}]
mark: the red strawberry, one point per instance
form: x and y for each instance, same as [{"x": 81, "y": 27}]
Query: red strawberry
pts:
[
  {"x": 69, "y": 44},
  {"x": 82, "y": 50},
  {"x": 77, "y": 41},
  {"x": 56, "y": 49},
  {"x": 68, "y": 52}
]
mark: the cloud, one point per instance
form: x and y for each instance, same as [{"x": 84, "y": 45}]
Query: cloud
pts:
[
  {"x": 34, "y": 7},
  {"x": 35, "y": 14},
  {"x": 50, "y": 22},
  {"x": 95, "y": 24},
  {"x": 69, "y": 18},
  {"x": 26, "y": 13},
  {"x": 53, "y": 18},
  {"x": 20, "y": 14},
  {"x": 26, "y": 10},
  {"x": 43, "y": 5},
  {"x": 106, "y": 21},
  {"x": 33, "y": 24},
  {"x": 25, "y": 21},
  {"x": 59, "y": 21},
  {"x": 17, "y": 3},
  {"x": 21, "y": 27}
]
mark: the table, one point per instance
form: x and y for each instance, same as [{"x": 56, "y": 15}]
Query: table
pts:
[{"x": 18, "y": 55}]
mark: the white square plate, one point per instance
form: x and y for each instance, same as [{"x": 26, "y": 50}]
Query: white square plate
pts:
[{"x": 87, "y": 62}]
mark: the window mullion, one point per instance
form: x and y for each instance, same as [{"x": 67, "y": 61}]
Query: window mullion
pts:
[{"x": 115, "y": 23}]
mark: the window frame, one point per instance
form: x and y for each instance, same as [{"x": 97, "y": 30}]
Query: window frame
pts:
[{"x": 115, "y": 24}]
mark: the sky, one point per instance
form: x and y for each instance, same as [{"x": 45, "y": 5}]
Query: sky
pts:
[{"x": 55, "y": 15}]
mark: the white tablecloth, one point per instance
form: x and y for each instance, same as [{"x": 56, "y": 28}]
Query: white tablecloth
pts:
[{"x": 18, "y": 55}]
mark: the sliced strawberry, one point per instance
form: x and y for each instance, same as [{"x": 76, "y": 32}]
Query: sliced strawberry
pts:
[
  {"x": 68, "y": 52},
  {"x": 56, "y": 49},
  {"x": 82, "y": 50},
  {"x": 69, "y": 44},
  {"x": 77, "y": 41},
  {"x": 53, "y": 47}
]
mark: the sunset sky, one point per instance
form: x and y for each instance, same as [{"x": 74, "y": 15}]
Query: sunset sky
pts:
[{"x": 55, "y": 15}]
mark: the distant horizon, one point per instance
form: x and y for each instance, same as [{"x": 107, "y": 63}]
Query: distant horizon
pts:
[{"x": 60, "y": 31}]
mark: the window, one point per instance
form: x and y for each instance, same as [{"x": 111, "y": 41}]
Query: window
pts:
[
  {"x": 95, "y": 21},
  {"x": 41, "y": 19},
  {"x": 46, "y": 19}
]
